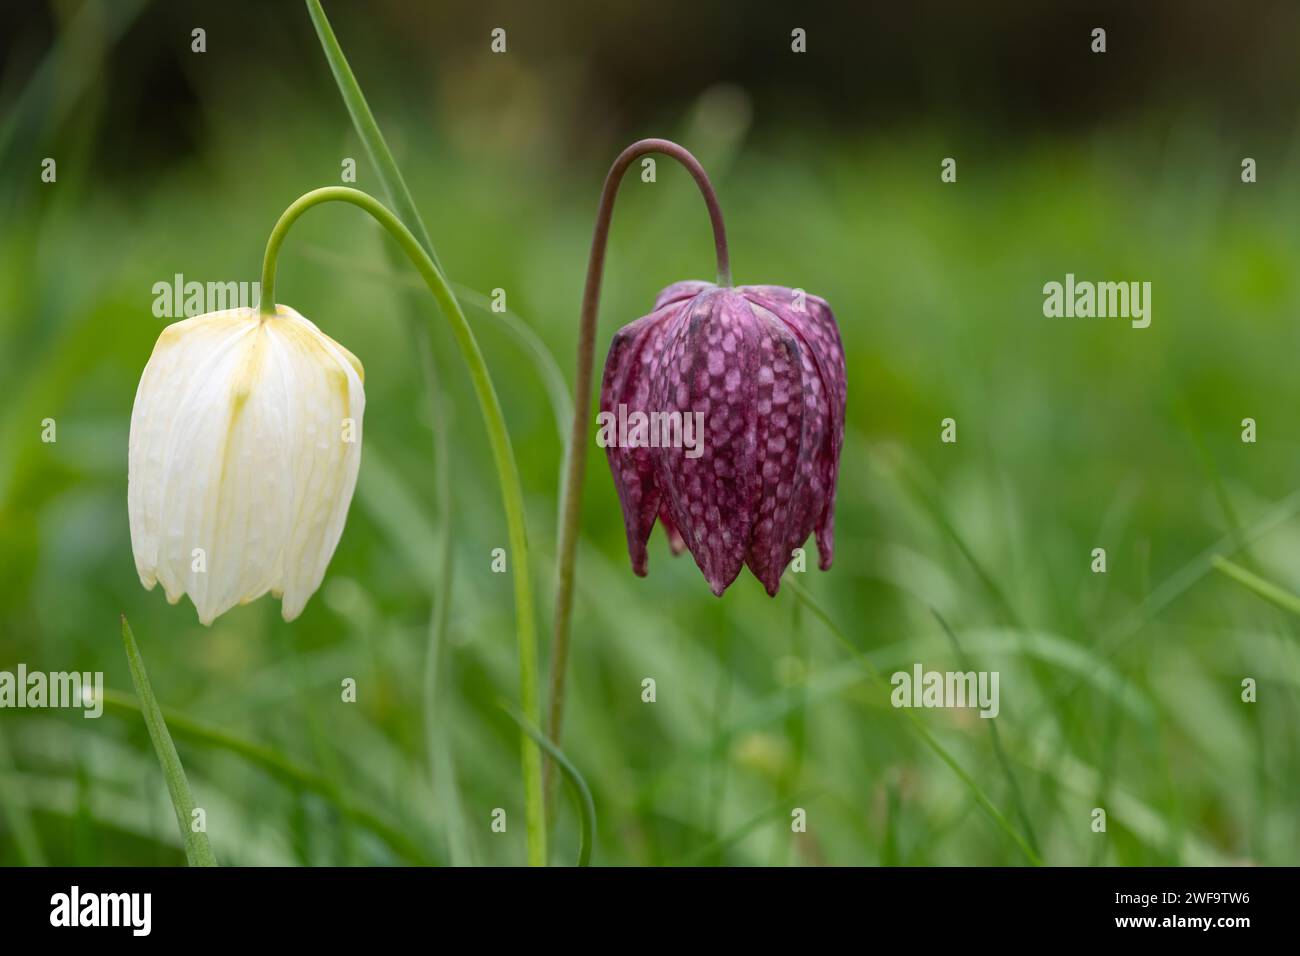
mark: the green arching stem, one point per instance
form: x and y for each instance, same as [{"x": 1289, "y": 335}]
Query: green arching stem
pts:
[
  {"x": 442, "y": 768},
  {"x": 498, "y": 437},
  {"x": 571, "y": 500}
]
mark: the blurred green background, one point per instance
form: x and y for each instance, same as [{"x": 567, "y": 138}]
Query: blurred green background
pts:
[{"x": 1119, "y": 690}]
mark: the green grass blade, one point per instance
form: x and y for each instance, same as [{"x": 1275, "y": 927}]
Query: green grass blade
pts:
[
  {"x": 514, "y": 325},
  {"x": 581, "y": 792},
  {"x": 795, "y": 726},
  {"x": 889, "y": 851},
  {"x": 1013, "y": 784},
  {"x": 717, "y": 847},
  {"x": 198, "y": 851},
  {"x": 548, "y": 370},
  {"x": 390, "y": 177},
  {"x": 719, "y": 758},
  {"x": 1177, "y": 584},
  {"x": 54, "y": 90},
  {"x": 320, "y": 744},
  {"x": 438, "y": 747},
  {"x": 19, "y": 820},
  {"x": 437, "y": 657},
  {"x": 980, "y": 797},
  {"x": 917, "y": 485},
  {"x": 1266, "y": 589},
  {"x": 278, "y": 767}
]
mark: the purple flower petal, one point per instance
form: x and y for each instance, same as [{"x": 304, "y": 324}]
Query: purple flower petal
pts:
[
  {"x": 708, "y": 366},
  {"x": 764, "y": 366},
  {"x": 784, "y": 455},
  {"x": 790, "y": 427},
  {"x": 680, "y": 291},
  {"x": 676, "y": 543},
  {"x": 626, "y": 382},
  {"x": 812, "y": 320}
]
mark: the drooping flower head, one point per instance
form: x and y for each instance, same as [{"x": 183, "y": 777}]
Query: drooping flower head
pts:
[
  {"x": 764, "y": 367},
  {"x": 244, "y": 449}
]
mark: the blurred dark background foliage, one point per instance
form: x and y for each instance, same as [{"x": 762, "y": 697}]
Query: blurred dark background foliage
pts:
[{"x": 594, "y": 73}]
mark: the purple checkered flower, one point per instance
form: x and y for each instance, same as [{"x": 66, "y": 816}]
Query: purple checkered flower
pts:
[{"x": 764, "y": 367}]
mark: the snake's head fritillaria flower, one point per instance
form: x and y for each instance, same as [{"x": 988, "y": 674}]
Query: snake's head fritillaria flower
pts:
[
  {"x": 759, "y": 372},
  {"x": 244, "y": 449}
]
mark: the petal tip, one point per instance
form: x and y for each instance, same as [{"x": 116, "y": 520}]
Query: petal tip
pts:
[{"x": 640, "y": 561}]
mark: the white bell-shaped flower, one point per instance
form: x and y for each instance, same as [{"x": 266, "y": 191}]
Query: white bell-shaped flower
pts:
[{"x": 245, "y": 444}]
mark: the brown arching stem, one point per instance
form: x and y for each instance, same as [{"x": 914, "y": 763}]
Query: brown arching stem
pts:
[{"x": 577, "y": 457}]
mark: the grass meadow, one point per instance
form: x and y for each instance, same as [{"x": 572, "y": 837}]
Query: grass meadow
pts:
[{"x": 1120, "y": 690}]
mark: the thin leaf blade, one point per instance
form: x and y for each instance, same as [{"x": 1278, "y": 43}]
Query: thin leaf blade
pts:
[{"x": 198, "y": 851}]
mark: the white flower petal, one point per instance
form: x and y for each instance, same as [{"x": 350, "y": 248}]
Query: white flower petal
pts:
[
  {"x": 183, "y": 360},
  {"x": 325, "y": 401},
  {"x": 239, "y": 475}
]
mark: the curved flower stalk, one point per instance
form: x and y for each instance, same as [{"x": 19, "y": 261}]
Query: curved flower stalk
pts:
[
  {"x": 764, "y": 368},
  {"x": 276, "y": 400},
  {"x": 401, "y": 201}
]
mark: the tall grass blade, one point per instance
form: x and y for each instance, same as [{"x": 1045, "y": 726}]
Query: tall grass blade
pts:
[
  {"x": 438, "y": 747},
  {"x": 390, "y": 177},
  {"x": 1266, "y": 589},
  {"x": 716, "y": 847},
  {"x": 1013, "y": 784},
  {"x": 279, "y": 767},
  {"x": 198, "y": 851},
  {"x": 15, "y": 813},
  {"x": 980, "y": 797},
  {"x": 581, "y": 792},
  {"x": 53, "y": 90}
]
